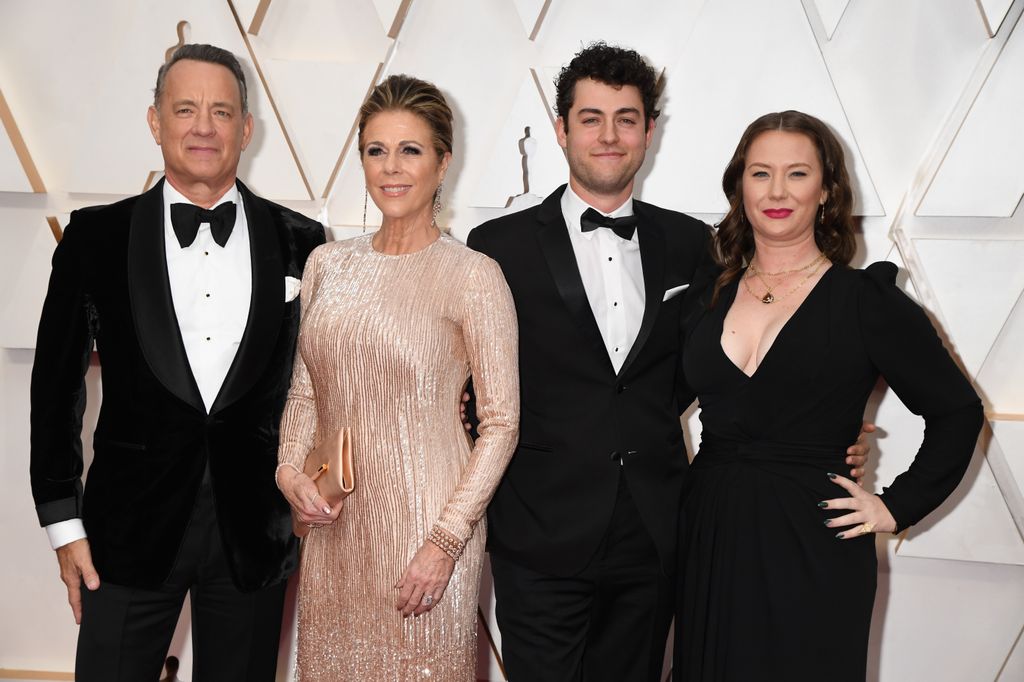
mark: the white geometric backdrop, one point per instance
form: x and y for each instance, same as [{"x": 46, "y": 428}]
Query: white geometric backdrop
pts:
[{"x": 926, "y": 94}]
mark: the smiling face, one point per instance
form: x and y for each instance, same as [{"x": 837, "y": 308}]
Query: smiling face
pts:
[
  {"x": 782, "y": 187},
  {"x": 605, "y": 139},
  {"x": 200, "y": 127},
  {"x": 401, "y": 166}
]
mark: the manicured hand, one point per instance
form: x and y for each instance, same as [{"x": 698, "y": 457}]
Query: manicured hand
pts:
[
  {"x": 462, "y": 412},
  {"x": 424, "y": 581},
  {"x": 867, "y": 512},
  {"x": 307, "y": 504}
]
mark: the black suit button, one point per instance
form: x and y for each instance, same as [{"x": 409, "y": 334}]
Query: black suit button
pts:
[
  {"x": 620, "y": 388},
  {"x": 616, "y": 455}
]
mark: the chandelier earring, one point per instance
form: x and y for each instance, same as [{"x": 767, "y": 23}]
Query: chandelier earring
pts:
[
  {"x": 366, "y": 193},
  {"x": 437, "y": 201},
  {"x": 822, "y": 214}
]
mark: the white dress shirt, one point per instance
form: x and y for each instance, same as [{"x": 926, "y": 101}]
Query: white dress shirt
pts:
[
  {"x": 211, "y": 288},
  {"x": 612, "y": 274}
]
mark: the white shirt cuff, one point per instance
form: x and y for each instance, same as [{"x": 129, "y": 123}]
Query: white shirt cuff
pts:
[{"x": 65, "y": 532}]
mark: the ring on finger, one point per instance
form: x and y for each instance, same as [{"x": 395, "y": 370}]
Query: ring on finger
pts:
[
  {"x": 428, "y": 600},
  {"x": 866, "y": 528}
]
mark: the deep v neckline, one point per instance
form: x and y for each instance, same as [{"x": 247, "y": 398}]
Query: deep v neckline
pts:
[{"x": 782, "y": 330}]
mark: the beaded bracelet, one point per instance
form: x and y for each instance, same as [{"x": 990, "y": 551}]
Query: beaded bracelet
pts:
[
  {"x": 278, "y": 470},
  {"x": 446, "y": 543}
]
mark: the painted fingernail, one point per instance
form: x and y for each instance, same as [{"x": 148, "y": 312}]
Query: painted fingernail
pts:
[
  {"x": 823, "y": 505},
  {"x": 830, "y": 475},
  {"x": 326, "y": 509},
  {"x": 828, "y": 522},
  {"x": 839, "y": 536}
]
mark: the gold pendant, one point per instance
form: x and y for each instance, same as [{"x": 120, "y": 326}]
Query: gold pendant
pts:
[{"x": 768, "y": 298}]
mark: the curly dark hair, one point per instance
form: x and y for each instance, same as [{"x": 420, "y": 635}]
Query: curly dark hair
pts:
[
  {"x": 610, "y": 65},
  {"x": 733, "y": 245}
]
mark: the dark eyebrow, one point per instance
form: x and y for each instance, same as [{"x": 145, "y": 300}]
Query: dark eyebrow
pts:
[
  {"x": 792, "y": 165},
  {"x": 618, "y": 112}
]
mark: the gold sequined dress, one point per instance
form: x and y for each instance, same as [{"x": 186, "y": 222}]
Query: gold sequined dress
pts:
[{"x": 386, "y": 345}]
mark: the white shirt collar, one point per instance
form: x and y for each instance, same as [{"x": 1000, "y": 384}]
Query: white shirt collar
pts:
[{"x": 573, "y": 207}]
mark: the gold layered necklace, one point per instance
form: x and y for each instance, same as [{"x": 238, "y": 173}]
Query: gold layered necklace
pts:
[{"x": 814, "y": 266}]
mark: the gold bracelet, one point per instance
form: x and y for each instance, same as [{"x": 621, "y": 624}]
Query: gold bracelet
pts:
[
  {"x": 446, "y": 543},
  {"x": 278, "y": 470}
]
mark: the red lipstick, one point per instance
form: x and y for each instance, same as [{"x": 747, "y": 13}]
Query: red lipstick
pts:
[{"x": 777, "y": 213}]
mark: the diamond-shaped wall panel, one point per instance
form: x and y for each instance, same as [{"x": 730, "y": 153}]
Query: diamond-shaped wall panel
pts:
[
  {"x": 831, "y": 11},
  {"x": 989, "y": 145}
]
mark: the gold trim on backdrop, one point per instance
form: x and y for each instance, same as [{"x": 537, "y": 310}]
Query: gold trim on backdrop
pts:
[
  {"x": 270, "y": 97},
  {"x": 20, "y": 148},
  {"x": 55, "y": 227},
  {"x": 351, "y": 136},
  {"x": 258, "y": 16},
  {"x": 396, "y": 25},
  {"x": 180, "y": 30},
  {"x": 1005, "y": 417},
  {"x": 13, "y": 674},
  {"x": 541, "y": 16}
]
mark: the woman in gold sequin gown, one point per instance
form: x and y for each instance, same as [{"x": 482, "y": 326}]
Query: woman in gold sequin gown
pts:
[{"x": 393, "y": 325}]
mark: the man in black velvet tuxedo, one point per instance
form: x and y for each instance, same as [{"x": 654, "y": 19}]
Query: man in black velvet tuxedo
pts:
[
  {"x": 582, "y": 530},
  {"x": 188, "y": 292}
]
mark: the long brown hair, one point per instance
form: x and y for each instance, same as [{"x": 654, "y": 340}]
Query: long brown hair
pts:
[{"x": 733, "y": 245}]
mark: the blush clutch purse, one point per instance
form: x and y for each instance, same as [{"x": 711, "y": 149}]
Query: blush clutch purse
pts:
[{"x": 331, "y": 468}]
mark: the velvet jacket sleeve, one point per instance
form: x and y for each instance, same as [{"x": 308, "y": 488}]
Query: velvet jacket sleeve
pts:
[
  {"x": 490, "y": 333},
  {"x": 67, "y": 328},
  {"x": 903, "y": 345}
]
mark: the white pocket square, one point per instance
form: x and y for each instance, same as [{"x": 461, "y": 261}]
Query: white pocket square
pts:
[
  {"x": 292, "y": 287},
  {"x": 674, "y": 291}
]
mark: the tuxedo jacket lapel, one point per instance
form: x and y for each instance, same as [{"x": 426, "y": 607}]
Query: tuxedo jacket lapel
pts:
[
  {"x": 553, "y": 236},
  {"x": 149, "y": 291},
  {"x": 652, "y": 258},
  {"x": 266, "y": 306}
]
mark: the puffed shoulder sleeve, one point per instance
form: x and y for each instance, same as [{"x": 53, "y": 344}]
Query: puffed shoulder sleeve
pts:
[{"x": 906, "y": 350}]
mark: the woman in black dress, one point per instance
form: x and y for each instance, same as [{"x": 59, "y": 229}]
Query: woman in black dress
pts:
[{"x": 783, "y": 350}]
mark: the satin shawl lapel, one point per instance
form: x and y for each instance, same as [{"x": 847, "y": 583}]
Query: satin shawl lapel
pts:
[
  {"x": 652, "y": 258},
  {"x": 266, "y": 306},
  {"x": 553, "y": 236},
  {"x": 149, "y": 291}
]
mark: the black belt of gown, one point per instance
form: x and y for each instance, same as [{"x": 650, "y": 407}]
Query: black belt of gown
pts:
[{"x": 718, "y": 450}]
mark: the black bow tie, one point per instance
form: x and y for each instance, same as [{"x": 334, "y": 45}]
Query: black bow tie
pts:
[
  {"x": 186, "y": 219},
  {"x": 624, "y": 226}
]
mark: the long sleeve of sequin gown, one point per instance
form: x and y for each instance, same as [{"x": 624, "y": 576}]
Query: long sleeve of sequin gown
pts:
[{"x": 386, "y": 346}]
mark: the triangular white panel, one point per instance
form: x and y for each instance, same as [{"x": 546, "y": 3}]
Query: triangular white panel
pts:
[
  {"x": 1013, "y": 668},
  {"x": 1002, "y": 375},
  {"x": 994, "y": 11},
  {"x": 977, "y": 284},
  {"x": 502, "y": 177},
  {"x": 897, "y": 93},
  {"x": 989, "y": 145},
  {"x": 771, "y": 62},
  {"x": 831, "y": 11},
  {"x": 12, "y": 173},
  {"x": 529, "y": 11},
  {"x": 974, "y": 524},
  {"x": 323, "y": 31},
  {"x": 1009, "y": 433},
  {"x": 319, "y": 102},
  {"x": 246, "y": 11},
  {"x": 386, "y": 11}
]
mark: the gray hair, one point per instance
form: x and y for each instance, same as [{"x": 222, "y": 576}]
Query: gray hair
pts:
[{"x": 203, "y": 53}]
